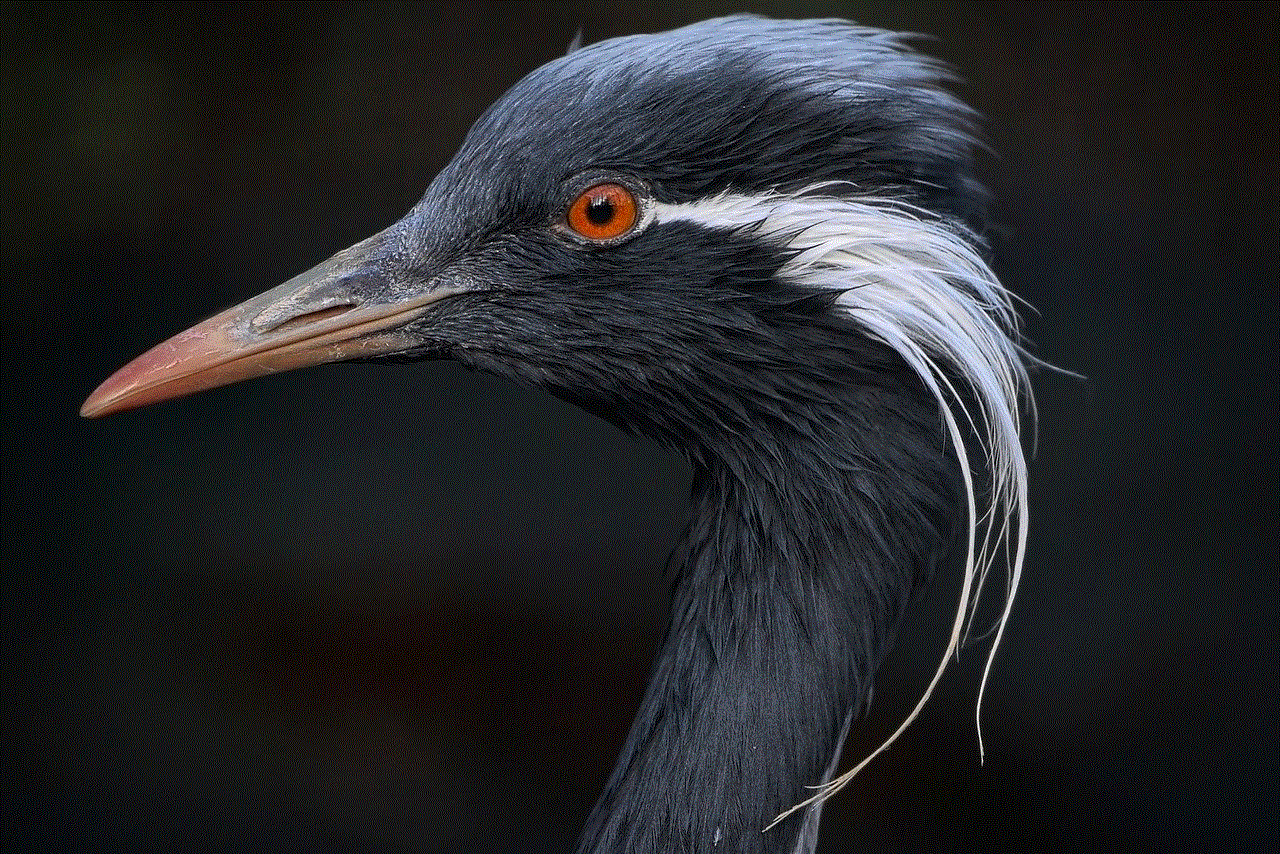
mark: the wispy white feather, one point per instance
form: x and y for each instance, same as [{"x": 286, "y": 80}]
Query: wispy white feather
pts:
[{"x": 920, "y": 286}]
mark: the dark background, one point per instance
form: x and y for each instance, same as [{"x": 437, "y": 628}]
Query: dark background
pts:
[{"x": 414, "y": 607}]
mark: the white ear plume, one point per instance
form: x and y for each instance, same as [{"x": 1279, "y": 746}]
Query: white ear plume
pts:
[{"x": 920, "y": 286}]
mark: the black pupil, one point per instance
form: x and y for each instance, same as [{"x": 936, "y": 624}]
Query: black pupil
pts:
[{"x": 600, "y": 210}]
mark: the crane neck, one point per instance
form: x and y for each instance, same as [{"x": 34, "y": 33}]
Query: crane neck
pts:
[{"x": 805, "y": 543}]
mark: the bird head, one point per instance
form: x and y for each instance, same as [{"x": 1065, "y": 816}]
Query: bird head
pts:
[
  {"x": 648, "y": 226},
  {"x": 701, "y": 235}
]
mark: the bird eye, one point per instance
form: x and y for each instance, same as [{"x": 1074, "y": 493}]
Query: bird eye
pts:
[{"x": 604, "y": 212}]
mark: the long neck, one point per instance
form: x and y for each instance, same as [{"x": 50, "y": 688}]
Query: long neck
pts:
[{"x": 803, "y": 550}]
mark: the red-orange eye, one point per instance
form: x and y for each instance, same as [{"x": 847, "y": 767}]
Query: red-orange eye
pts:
[{"x": 604, "y": 212}]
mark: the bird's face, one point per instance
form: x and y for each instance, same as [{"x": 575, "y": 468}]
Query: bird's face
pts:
[
  {"x": 575, "y": 285},
  {"x": 591, "y": 235}
]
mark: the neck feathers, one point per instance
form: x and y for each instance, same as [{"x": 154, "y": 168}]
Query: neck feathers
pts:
[{"x": 786, "y": 599}]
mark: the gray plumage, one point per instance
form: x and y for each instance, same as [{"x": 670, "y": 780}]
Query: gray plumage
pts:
[{"x": 801, "y": 306}]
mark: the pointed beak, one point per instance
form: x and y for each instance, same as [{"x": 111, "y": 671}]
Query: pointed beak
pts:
[{"x": 333, "y": 312}]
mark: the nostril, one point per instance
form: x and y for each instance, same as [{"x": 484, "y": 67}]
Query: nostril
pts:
[{"x": 311, "y": 317}]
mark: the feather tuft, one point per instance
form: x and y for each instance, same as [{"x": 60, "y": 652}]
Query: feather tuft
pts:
[{"x": 918, "y": 284}]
